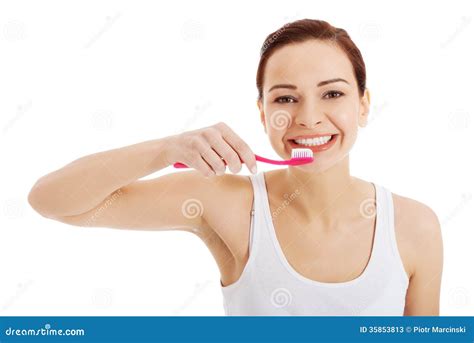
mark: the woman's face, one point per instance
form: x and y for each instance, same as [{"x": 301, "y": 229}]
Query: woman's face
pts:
[{"x": 297, "y": 102}]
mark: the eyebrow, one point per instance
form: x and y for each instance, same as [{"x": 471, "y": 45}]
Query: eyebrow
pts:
[{"x": 322, "y": 83}]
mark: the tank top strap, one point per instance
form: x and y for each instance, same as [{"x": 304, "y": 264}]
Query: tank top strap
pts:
[
  {"x": 384, "y": 218},
  {"x": 259, "y": 214},
  {"x": 256, "y": 211},
  {"x": 388, "y": 236}
]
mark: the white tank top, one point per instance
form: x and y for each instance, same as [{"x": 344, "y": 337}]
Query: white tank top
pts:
[{"x": 270, "y": 286}]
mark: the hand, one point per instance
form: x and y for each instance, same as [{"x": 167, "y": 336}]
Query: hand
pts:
[{"x": 209, "y": 150}]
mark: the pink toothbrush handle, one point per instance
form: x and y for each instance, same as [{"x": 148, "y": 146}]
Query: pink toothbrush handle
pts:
[
  {"x": 180, "y": 165},
  {"x": 258, "y": 158}
]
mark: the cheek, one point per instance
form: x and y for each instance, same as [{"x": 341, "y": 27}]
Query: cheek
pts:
[
  {"x": 346, "y": 122},
  {"x": 278, "y": 120},
  {"x": 346, "y": 119},
  {"x": 276, "y": 138},
  {"x": 277, "y": 124}
]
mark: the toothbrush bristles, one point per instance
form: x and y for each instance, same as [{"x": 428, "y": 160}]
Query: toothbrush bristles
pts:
[{"x": 301, "y": 153}]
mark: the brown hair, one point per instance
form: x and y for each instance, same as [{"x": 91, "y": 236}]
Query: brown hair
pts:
[{"x": 304, "y": 30}]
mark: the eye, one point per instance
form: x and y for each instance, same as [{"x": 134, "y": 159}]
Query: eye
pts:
[
  {"x": 332, "y": 93},
  {"x": 284, "y": 99}
]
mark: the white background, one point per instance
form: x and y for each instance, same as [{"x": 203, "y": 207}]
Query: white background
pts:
[{"x": 87, "y": 76}]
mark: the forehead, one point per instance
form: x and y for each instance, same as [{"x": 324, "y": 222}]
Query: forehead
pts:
[{"x": 307, "y": 63}]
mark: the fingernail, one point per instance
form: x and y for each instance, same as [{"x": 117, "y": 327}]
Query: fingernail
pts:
[{"x": 254, "y": 170}]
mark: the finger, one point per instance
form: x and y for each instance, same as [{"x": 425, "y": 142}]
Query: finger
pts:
[
  {"x": 243, "y": 150},
  {"x": 211, "y": 157},
  {"x": 229, "y": 155},
  {"x": 197, "y": 162}
]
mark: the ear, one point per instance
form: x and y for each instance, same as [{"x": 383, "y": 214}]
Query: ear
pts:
[
  {"x": 262, "y": 114},
  {"x": 364, "y": 108}
]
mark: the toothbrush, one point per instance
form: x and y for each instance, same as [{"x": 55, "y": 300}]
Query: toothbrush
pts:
[{"x": 298, "y": 156}]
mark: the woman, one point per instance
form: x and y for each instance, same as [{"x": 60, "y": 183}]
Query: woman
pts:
[{"x": 302, "y": 240}]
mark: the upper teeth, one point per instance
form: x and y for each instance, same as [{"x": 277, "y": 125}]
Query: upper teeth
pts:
[{"x": 313, "y": 141}]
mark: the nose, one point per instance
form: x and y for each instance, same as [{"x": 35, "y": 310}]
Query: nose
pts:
[
  {"x": 309, "y": 114},
  {"x": 307, "y": 123},
  {"x": 308, "y": 117}
]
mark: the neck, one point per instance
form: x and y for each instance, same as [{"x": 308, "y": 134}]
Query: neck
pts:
[{"x": 322, "y": 195}]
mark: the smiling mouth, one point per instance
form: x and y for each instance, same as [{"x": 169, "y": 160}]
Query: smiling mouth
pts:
[{"x": 314, "y": 143}]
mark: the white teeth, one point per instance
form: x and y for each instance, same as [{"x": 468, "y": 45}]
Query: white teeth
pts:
[{"x": 313, "y": 141}]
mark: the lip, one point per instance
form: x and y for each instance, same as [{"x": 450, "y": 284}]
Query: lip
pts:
[
  {"x": 316, "y": 148},
  {"x": 312, "y": 136}
]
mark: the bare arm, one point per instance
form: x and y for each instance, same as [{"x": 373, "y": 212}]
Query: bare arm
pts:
[
  {"x": 423, "y": 295},
  {"x": 82, "y": 184},
  {"x": 103, "y": 189}
]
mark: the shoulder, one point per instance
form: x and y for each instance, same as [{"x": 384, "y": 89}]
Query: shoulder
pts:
[
  {"x": 220, "y": 193},
  {"x": 229, "y": 190},
  {"x": 419, "y": 227},
  {"x": 418, "y": 230},
  {"x": 420, "y": 217},
  {"x": 229, "y": 201}
]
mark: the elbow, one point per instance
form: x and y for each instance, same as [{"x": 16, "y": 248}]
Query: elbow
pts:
[{"x": 37, "y": 200}]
